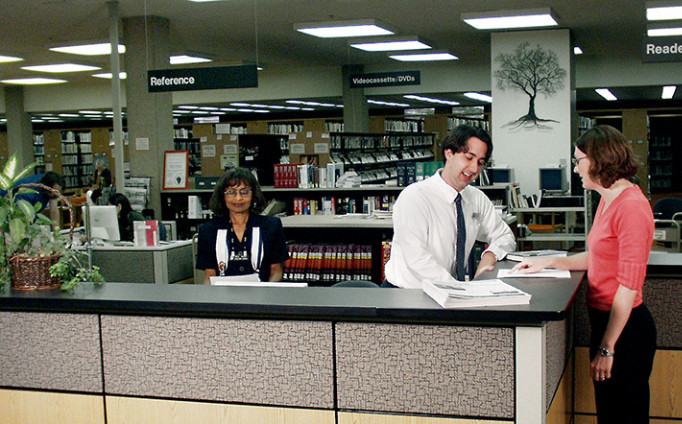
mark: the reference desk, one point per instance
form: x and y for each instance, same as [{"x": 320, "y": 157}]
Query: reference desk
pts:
[{"x": 194, "y": 353}]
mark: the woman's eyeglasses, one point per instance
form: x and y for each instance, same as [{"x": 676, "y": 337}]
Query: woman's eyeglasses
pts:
[
  {"x": 576, "y": 161},
  {"x": 245, "y": 192}
]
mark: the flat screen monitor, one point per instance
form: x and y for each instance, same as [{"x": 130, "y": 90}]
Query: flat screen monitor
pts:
[
  {"x": 553, "y": 180},
  {"x": 103, "y": 222}
]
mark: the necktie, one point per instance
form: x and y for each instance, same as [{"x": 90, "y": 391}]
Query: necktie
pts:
[{"x": 460, "y": 265}]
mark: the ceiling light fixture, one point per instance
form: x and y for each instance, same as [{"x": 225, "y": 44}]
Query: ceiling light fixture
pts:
[
  {"x": 479, "y": 96},
  {"x": 8, "y": 59},
  {"x": 664, "y": 29},
  {"x": 382, "y": 103},
  {"x": 510, "y": 19},
  {"x": 431, "y": 100},
  {"x": 60, "y": 68},
  {"x": 109, "y": 75},
  {"x": 668, "y": 92},
  {"x": 97, "y": 49},
  {"x": 339, "y": 29},
  {"x": 389, "y": 44},
  {"x": 577, "y": 50},
  {"x": 663, "y": 10},
  {"x": 184, "y": 59},
  {"x": 431, "y": 56},
  {"x": 606, "y": 93},
  {"x": 33, "y": 81}
]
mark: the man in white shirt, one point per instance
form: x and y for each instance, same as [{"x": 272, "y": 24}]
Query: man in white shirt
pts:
[{"x": 425, "y": 217}]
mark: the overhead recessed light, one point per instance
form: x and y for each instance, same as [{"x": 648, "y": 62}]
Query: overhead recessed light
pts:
[
  {"x": 188, "y": 107},
  {"x": 606, "y": 93},
  {"x": 60, "y": 68},
  {"x": 244, "y": 110},
  {"x": 8, "y": 59},
  {"x": 509, "y": 19},
  {"x": 33, "y": 81},
  {"x": 668, "y": 92},
  {"x": 663, "y": 11},
  {"x": 577, "y": 50},
  {"x": 383, "y": 103},
  {"x": 431, "y": 100},
  {"x": 109, "y": 75},
  {"x": 90, "y": 112},
  {"x": 338, "y": 29},
  {"x": 389, "y": 44},
  {"x": 97, "y": 49},
  {"x": 228, "y": 109},
  {"x": 68, "y": 115},
  {"x": 479, "y": 96},
  {"x": 430, "y": 56},
  {"x": 664, "y": 29},
  {"x": 184, "y": 59}
]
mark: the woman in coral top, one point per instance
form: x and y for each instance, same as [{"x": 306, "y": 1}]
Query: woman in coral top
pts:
[{"x": 623, "y": 338}]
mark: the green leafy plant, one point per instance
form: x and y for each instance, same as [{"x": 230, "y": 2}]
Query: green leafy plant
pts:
[{"x": 24, "y": 232}]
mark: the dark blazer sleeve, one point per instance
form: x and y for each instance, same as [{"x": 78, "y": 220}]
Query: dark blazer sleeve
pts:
[{"x": 206, "y": 258}]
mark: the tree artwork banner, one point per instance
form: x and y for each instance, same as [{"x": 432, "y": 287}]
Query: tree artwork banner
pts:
[{"x": 532, "y": 71}]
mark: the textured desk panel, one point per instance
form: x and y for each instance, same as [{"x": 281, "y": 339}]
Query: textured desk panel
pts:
[
  {"x": 180, "y": 263},
  {"x": 50, "y": 351},
  {"x": 558, "y": 348},
  {"x": 449, "y": 370},
  {"x": 130, "y": 266},
  {"x": 287, "y": 363}
]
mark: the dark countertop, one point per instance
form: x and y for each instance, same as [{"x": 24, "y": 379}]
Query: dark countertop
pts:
[{"x": 551, "y": 298}]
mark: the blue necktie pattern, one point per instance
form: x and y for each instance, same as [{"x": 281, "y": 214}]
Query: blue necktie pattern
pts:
[{"x": 460, "y": 265}]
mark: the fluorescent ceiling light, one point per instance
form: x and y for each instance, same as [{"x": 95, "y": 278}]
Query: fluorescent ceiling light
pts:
[
  {"x": 228, "y": 109},
  {"x": 188, "y": 107},
  {"x": 605, "y": 93},
  {"x": 68, "y": 115},
  {"x": 338, "y": 29},
  {"x": 431, "y": 100},
  {"x": 109, "y": 75},
  {"x": 479, "y": 96},
  {"x": 508, "y": 19},
  {"x": 8, "y": 59},
  {"x": 389, "y": 44},
  {"x": 208, "y": 108},
  {"x": 98, "y": 49},
  {"x": 240, "y": 104},
  {"x": 668, "y": 92},
  {"x": 244, "y": 110},
  {"x": 670, "y": 30},
  {"x": 33, "y": 81},
  {"x": 61, "y": 68},
  {"x": 200, "y": 112},
  {"x": 183, "y": 59},
  {"x": 431, "y": 56},
  {"x": 577, "y": 50},
  {"x": 382, "y": 103},
  {"x": 663, "y": 11},
  {"x": 90, "y": 112}
]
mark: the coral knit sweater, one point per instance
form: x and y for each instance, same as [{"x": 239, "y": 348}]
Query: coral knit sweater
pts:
[{"x": 618, "y": 248}]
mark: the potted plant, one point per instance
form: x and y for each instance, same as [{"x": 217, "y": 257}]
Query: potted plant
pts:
[{"x": 34, "y": 256}]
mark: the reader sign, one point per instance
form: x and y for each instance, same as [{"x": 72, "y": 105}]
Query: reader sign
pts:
[
  {"x": 662, "y": 49},
  {"x": 385, "y": 79},
  {"x": 202, "y": 78}
]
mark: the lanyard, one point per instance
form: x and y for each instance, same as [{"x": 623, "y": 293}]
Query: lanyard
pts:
[{"x": 222, "y": 249}]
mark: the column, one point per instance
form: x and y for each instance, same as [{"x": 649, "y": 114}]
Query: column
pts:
[
  {"x": 19, "y": 127},
  {"x": 355, "y": 110},
  {"x": 149, "y": 115}
]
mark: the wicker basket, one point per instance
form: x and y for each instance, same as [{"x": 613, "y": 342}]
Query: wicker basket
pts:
[{"x": 30, "y": 273}]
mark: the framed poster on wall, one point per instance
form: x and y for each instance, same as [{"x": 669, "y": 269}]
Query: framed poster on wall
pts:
[{"x": 175, "y": 170}]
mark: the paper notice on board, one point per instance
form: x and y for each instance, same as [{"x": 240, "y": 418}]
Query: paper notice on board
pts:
[
  {"x": 321, "y": 148},
  {"x": 208, "y": 151},
  {"x": 230, "y": 149},
  {"x": 297, "y": 148},
  {"x": 141, "y": 143},
  {"x": 229, "y": 161}
]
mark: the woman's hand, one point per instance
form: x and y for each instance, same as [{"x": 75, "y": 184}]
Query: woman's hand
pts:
[
  {"x": 600, "y": 368},
  {"x": 529, "y": 266}
]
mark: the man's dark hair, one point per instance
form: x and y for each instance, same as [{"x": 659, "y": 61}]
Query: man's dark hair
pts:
[
  {"x": 457, "y": 139},
  {"x": 51, "y": 179},
  {"x": 234, "y": 177}
]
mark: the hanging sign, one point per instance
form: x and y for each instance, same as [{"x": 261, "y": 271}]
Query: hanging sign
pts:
[
  {"x": 385, "y": 79},
  {"x": 662, "y": 49},
  {"x": 202, "y": 78}
]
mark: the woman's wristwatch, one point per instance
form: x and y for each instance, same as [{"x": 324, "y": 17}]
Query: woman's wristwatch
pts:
[{"x": 604, "y": 352}]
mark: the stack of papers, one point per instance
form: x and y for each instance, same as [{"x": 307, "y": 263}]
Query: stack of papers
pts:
[
  {"x": 521, "y": 255},
  {"x": 545, "y": 273},
  {"x": 475, "y": 294}
]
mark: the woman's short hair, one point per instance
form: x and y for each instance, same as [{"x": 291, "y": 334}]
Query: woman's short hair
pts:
[
  {"x": 234, "y": 177},
  {"x": 610, "y": 153},
  {"x": 457, "y": 140},
  {"x": 120, "y": 199}
]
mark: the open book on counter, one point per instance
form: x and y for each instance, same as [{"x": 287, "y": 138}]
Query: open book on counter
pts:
[{"x": 471, "y": 294}]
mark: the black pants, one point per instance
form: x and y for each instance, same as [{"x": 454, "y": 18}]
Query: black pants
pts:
[{"x": 624, "y": 398}]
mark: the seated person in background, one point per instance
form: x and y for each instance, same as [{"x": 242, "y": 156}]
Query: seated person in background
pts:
[
  {"x": 239, "y": 242},
  {"x": 102, "y": 176},
  {"x": 47, "y": 200},
  {"x": 126, "y": 216},
  {"x": 436, "y": 221}
]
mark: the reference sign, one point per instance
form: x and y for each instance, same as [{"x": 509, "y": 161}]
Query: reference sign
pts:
[
  {"x": 385, "y": 79},
  {"x": 202, "y": 78},
  {"x": 662, "y": 49}
]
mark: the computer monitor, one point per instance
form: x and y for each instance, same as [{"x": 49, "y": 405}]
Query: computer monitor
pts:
[
  {"x": 103, "y": 222},
  {"x": 553, "y": 180},
  {"x": 500, "y": 175}
]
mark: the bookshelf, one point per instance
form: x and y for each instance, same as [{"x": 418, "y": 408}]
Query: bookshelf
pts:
[
  {"x": 184, "y": 140},
  {"x": 77, "y": 158},
  {"x": 39, "y": 152},
  {"x": 285, "y": 128}
]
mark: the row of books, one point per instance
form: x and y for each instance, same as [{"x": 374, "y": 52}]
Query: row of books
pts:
[
  {"x": 518, "y": 200},
  {"x": 333, "y": 205},
  {"x": 379, "y": 141},
  {"x": 297, "y": 175},
  {"x": 328, "y": 262},
  {"x": 409, "y": 172}
]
